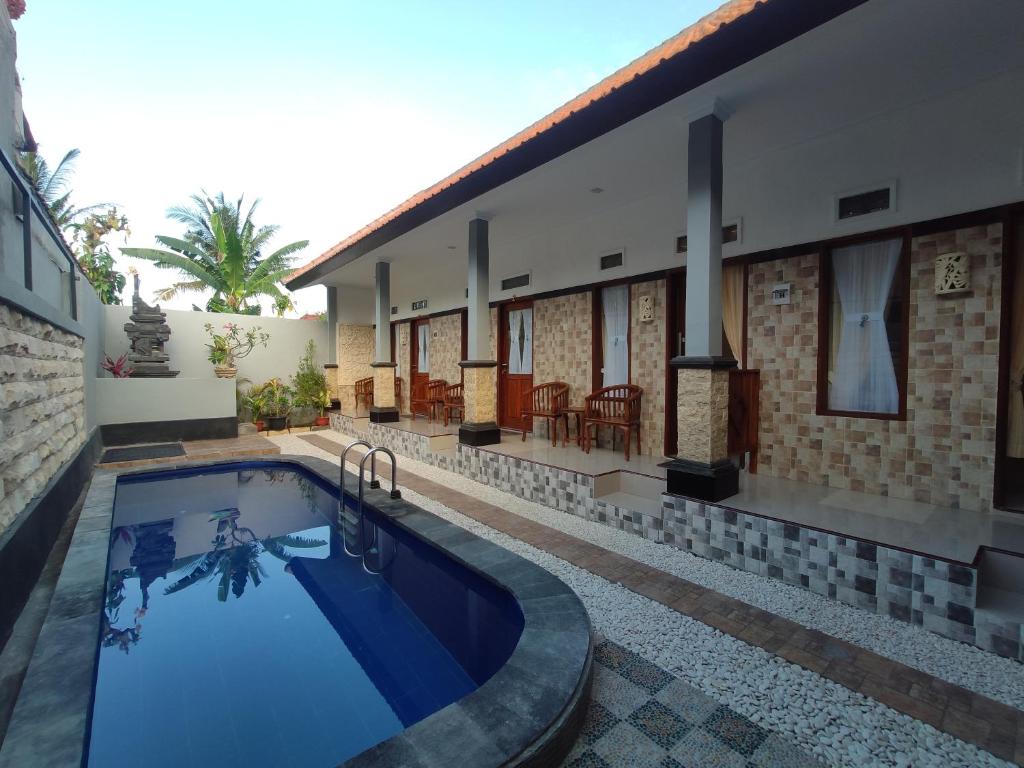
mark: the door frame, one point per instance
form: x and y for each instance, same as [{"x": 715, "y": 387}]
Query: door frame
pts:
[
  {"x": 675, "y": 301},
  {"x": 503, "y": 308},
  {"x": 1012, "y": 260}
]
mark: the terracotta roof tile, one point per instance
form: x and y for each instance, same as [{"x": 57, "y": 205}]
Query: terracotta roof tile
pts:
[{"x": 703, "y": 28}]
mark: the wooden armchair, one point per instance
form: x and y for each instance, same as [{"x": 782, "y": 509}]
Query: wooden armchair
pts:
[
  {"x": 427, "y": 398},
  {"x": 364, "y": 391},
  {"x": 453, "y": 401},
  {"x": 545, "y": 401},
  {"x": 617, "y": 407}
]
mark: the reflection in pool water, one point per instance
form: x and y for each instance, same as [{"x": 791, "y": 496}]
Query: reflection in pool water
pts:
[{"x": 246, "y": 624}]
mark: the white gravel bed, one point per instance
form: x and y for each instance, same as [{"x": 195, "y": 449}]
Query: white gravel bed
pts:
[
  {"x": 965, "y": 665},
  {"x": 839, "y": 726}
]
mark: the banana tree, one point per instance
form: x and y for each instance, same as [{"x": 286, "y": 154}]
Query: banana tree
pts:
[{"x": 222, "y": 251}]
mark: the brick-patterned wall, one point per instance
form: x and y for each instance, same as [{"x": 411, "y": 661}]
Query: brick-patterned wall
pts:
[
  {"x": 944, "y": 452},
  {"x": 647, "y": 363},
  {"x": 446, "y": 348},
  {"x": 402, "y": 352},
  {"x": 562, "y": 332},
  {"x": 42, "y": 406}
]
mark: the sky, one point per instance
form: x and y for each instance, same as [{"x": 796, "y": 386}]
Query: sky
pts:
[{"x": 330, "y": 112}]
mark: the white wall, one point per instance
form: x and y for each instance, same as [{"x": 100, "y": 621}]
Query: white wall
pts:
[
  {"x": 124, "y": 401},
  {"x": 187, "y": 345}
]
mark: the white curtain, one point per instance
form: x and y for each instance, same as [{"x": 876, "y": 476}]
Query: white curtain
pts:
[
  {"x": 520, "y": 341},
  {"x": 864, "y": 378},
  {"x": 423, "y": 348},
  {"x": 615, "y": 336}
]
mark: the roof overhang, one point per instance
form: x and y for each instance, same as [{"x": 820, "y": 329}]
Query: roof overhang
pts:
[{"x": 739, "y": 31}]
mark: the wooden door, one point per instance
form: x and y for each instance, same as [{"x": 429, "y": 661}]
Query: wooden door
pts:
[
  {"x": 1010, "y": 458},
  {"x": 675, "y": 346},
  {"x": 515, "y": 360},
  {"x": 419, "y": 358}
]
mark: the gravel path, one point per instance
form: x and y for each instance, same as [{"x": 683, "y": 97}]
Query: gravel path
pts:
[{"x": 841, "y": 727}]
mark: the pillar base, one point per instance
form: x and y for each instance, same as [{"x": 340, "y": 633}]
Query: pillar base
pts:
[
  {"x": 705, "y": 482},
  {"x": 487, "y": 433},
  {"x": 383, "y": 414}
]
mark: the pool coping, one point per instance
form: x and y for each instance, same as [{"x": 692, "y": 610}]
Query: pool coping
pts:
[{"x": 528, "y": 714}]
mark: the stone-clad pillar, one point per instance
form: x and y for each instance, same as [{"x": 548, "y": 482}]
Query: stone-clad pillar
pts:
[
  {"x": 702, "y": 468},
  {"x": 480, "y": 382},
  {"x": 383, "y": 408}
]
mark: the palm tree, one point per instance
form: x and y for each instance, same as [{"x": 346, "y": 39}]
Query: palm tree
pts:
[
  {"x": 222, "y": 250},
  {"x": 52, "y": 186}
]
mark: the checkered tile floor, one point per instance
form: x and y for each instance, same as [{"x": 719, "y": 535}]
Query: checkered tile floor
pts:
[{"x": 640, "y": 715}]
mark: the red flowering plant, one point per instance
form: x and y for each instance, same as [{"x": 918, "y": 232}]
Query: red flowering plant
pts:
[
  {"x": 15, "y": 8},
  {"x": 119, "y": 368}
]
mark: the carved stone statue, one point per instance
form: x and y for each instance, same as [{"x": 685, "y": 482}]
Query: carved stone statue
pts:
[{"x": 148, "y": 332}]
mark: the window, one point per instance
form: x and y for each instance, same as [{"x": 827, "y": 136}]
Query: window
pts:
[
  {"x": 423, "y": 348},
  {"x": 863, "y": 333},
  {"x": 614, "y": 329}
]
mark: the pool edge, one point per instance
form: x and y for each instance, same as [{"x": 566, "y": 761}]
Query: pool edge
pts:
[{"x": 528, "y": 714}]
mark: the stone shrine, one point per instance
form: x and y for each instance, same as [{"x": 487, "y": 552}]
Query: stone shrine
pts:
[{"x": 148, "y": 332}]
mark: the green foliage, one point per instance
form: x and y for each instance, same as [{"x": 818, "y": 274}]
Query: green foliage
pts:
[
  {"x": 94, "y": 255},
  {"x": 87, "y": 226},
  {"x": 252, "y": 399},
  {"x": 226, "y": 348},
  {"x": 276, "y": 398},
  {"x": 309, "y": 381},
  {"x": 222, "y": 250}
]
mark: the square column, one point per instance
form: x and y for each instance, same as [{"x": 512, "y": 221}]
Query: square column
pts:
[
  {"x": 479, "y": 375},
  {"x": 702, "y": 468},
  {"x": 331, "y": 366},
  {"x": 383, "y": 408}
]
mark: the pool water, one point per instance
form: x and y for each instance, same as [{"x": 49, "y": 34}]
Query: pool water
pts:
[{"x": 246, "y": 623}]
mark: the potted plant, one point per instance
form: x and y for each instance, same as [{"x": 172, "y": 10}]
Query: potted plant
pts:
[
  {"x": 310, "y": 385},
  {"x": 323, "y": 402},
  {"x": 277, "y": 404},
  {"x": 231, "y": 346},
  {"x": 253, "y": 401}
]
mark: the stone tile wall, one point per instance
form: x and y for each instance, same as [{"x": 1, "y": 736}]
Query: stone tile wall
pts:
[
  {"x": 446, "y": 348},
  {"x": 647, "y": 363},
  {"x": 562, "y": 345},
  {"x": 944, "y": 452},
  {"x": 355, "y": 354},
  {"x": 42, "y": 406},
  {"x": 402, "y": 355}
]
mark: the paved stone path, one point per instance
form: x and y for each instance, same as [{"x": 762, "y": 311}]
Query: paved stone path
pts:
[
  {"x": 640, "y": 714},
  {"x": 991, "y": 725}
]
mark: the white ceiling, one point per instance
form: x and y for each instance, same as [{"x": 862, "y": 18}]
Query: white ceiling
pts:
[{"x": 869, "y": 62}]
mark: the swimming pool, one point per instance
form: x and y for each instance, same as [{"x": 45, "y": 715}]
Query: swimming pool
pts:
[{"x": 245, "y": 623}]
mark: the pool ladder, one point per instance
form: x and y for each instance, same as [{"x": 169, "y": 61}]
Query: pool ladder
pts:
[{"x": 354, "y": 529}]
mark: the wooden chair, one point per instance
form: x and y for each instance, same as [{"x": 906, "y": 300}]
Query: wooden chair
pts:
[
  {"x": 545, "y": 401},
  {"x": 453, "y": 401},
  {"x": 364, "y": 391},
  {"x": 427, "y": 398},
  {"x": 398, "y": 393},
  {"x": 618, "y": 407}
]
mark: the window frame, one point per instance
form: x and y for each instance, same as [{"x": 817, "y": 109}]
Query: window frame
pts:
[{"x": 901, "y": 364}]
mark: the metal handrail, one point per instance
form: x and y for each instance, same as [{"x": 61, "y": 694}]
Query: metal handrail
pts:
[
  {"x": 373, "y": 467},
  {"x": 30, "y": 202},
  {"x": 395, "y": 494}
]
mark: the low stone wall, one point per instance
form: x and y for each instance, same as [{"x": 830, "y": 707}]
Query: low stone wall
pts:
[{"x": 42, "y": 406}]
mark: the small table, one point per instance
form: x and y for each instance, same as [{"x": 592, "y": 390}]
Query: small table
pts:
[{"x": 577, "y": 411}]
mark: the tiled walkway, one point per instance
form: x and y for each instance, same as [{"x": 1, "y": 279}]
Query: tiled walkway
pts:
[
  {"x": 642, "y": 715},
  {"x": 991, "y": 725}
]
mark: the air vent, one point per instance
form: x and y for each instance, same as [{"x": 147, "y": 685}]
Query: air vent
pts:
[
  {"x": 611, "y": 260},
  {"x": 730, "y": 234},
  {"x": 421, "y": 304},
  {"x": 864, "y": 203},
  {"x": 519, "y": 281},
  {"x": 394, "y": 310}
]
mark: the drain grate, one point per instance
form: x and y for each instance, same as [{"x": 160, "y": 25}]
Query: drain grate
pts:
[{"x": 142, "y": 452}]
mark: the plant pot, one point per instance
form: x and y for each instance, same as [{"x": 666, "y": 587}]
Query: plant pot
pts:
[
  {"x": 259, "y": 425},
  {"x": 276, "y": 423},
  {"x": 225, "y": 371},
  {"x": 322, "y": 421}
]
